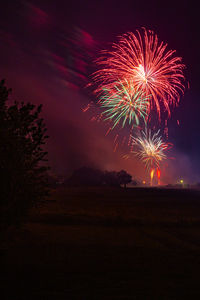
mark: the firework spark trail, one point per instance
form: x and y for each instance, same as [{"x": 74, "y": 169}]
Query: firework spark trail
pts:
[
  {"x": 124, "y": 103},
  {"x": 144, "y": 61},
  {"x": 107, "y": 132},
  {"x": 150, "y": 149},
  {"x": 158, "y": 173},
  {"x": 152, "y": 175}
]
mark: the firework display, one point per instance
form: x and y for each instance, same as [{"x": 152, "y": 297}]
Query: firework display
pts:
[
  {"x": 137, "y": 77},
  {"x": 150, "y": 148},
  {"x": 141, "y": 59},
  {"x": 151, "y": 151},
  {"x": 124, "y": 103}
]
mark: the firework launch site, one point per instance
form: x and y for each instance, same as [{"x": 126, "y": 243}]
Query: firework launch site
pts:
[{"x": 106, "y": 243}]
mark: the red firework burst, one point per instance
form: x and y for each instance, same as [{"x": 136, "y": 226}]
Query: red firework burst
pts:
[{"x": 141, "y": 59}]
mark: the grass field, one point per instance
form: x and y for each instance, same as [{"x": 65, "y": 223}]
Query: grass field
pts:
[{"x": 106, "y": 243}]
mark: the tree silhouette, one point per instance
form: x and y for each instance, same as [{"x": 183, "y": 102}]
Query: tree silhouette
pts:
[
  {"x": 111, "y": 178},
  {"x": 124, "y": 177},
  {"x": 22, "y": 174},
  {"x": 87, "y": 176}
]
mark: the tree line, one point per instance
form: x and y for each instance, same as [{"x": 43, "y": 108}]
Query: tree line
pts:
[{"x": 86, "y": 176}]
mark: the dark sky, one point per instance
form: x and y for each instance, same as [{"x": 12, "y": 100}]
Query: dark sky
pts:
[{"x": 47, "y": 48}]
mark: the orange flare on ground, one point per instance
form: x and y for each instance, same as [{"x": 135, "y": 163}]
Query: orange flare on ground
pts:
[
  {"x": 158, "y": 176},
  {"x": 151, "y": 175}
]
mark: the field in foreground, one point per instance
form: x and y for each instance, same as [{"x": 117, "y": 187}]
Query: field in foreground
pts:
[{"x": 95, "y": 243}]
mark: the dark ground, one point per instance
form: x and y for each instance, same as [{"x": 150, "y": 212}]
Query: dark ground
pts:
[{"x": 95, "y": 243}]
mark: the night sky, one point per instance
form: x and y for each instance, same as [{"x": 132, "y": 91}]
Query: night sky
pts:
[{"x": 47, "y": 50}]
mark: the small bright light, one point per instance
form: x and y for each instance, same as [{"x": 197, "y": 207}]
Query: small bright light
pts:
[
  {"x": 144, "y": 182},
  {"x": 181, "y": 181}
]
